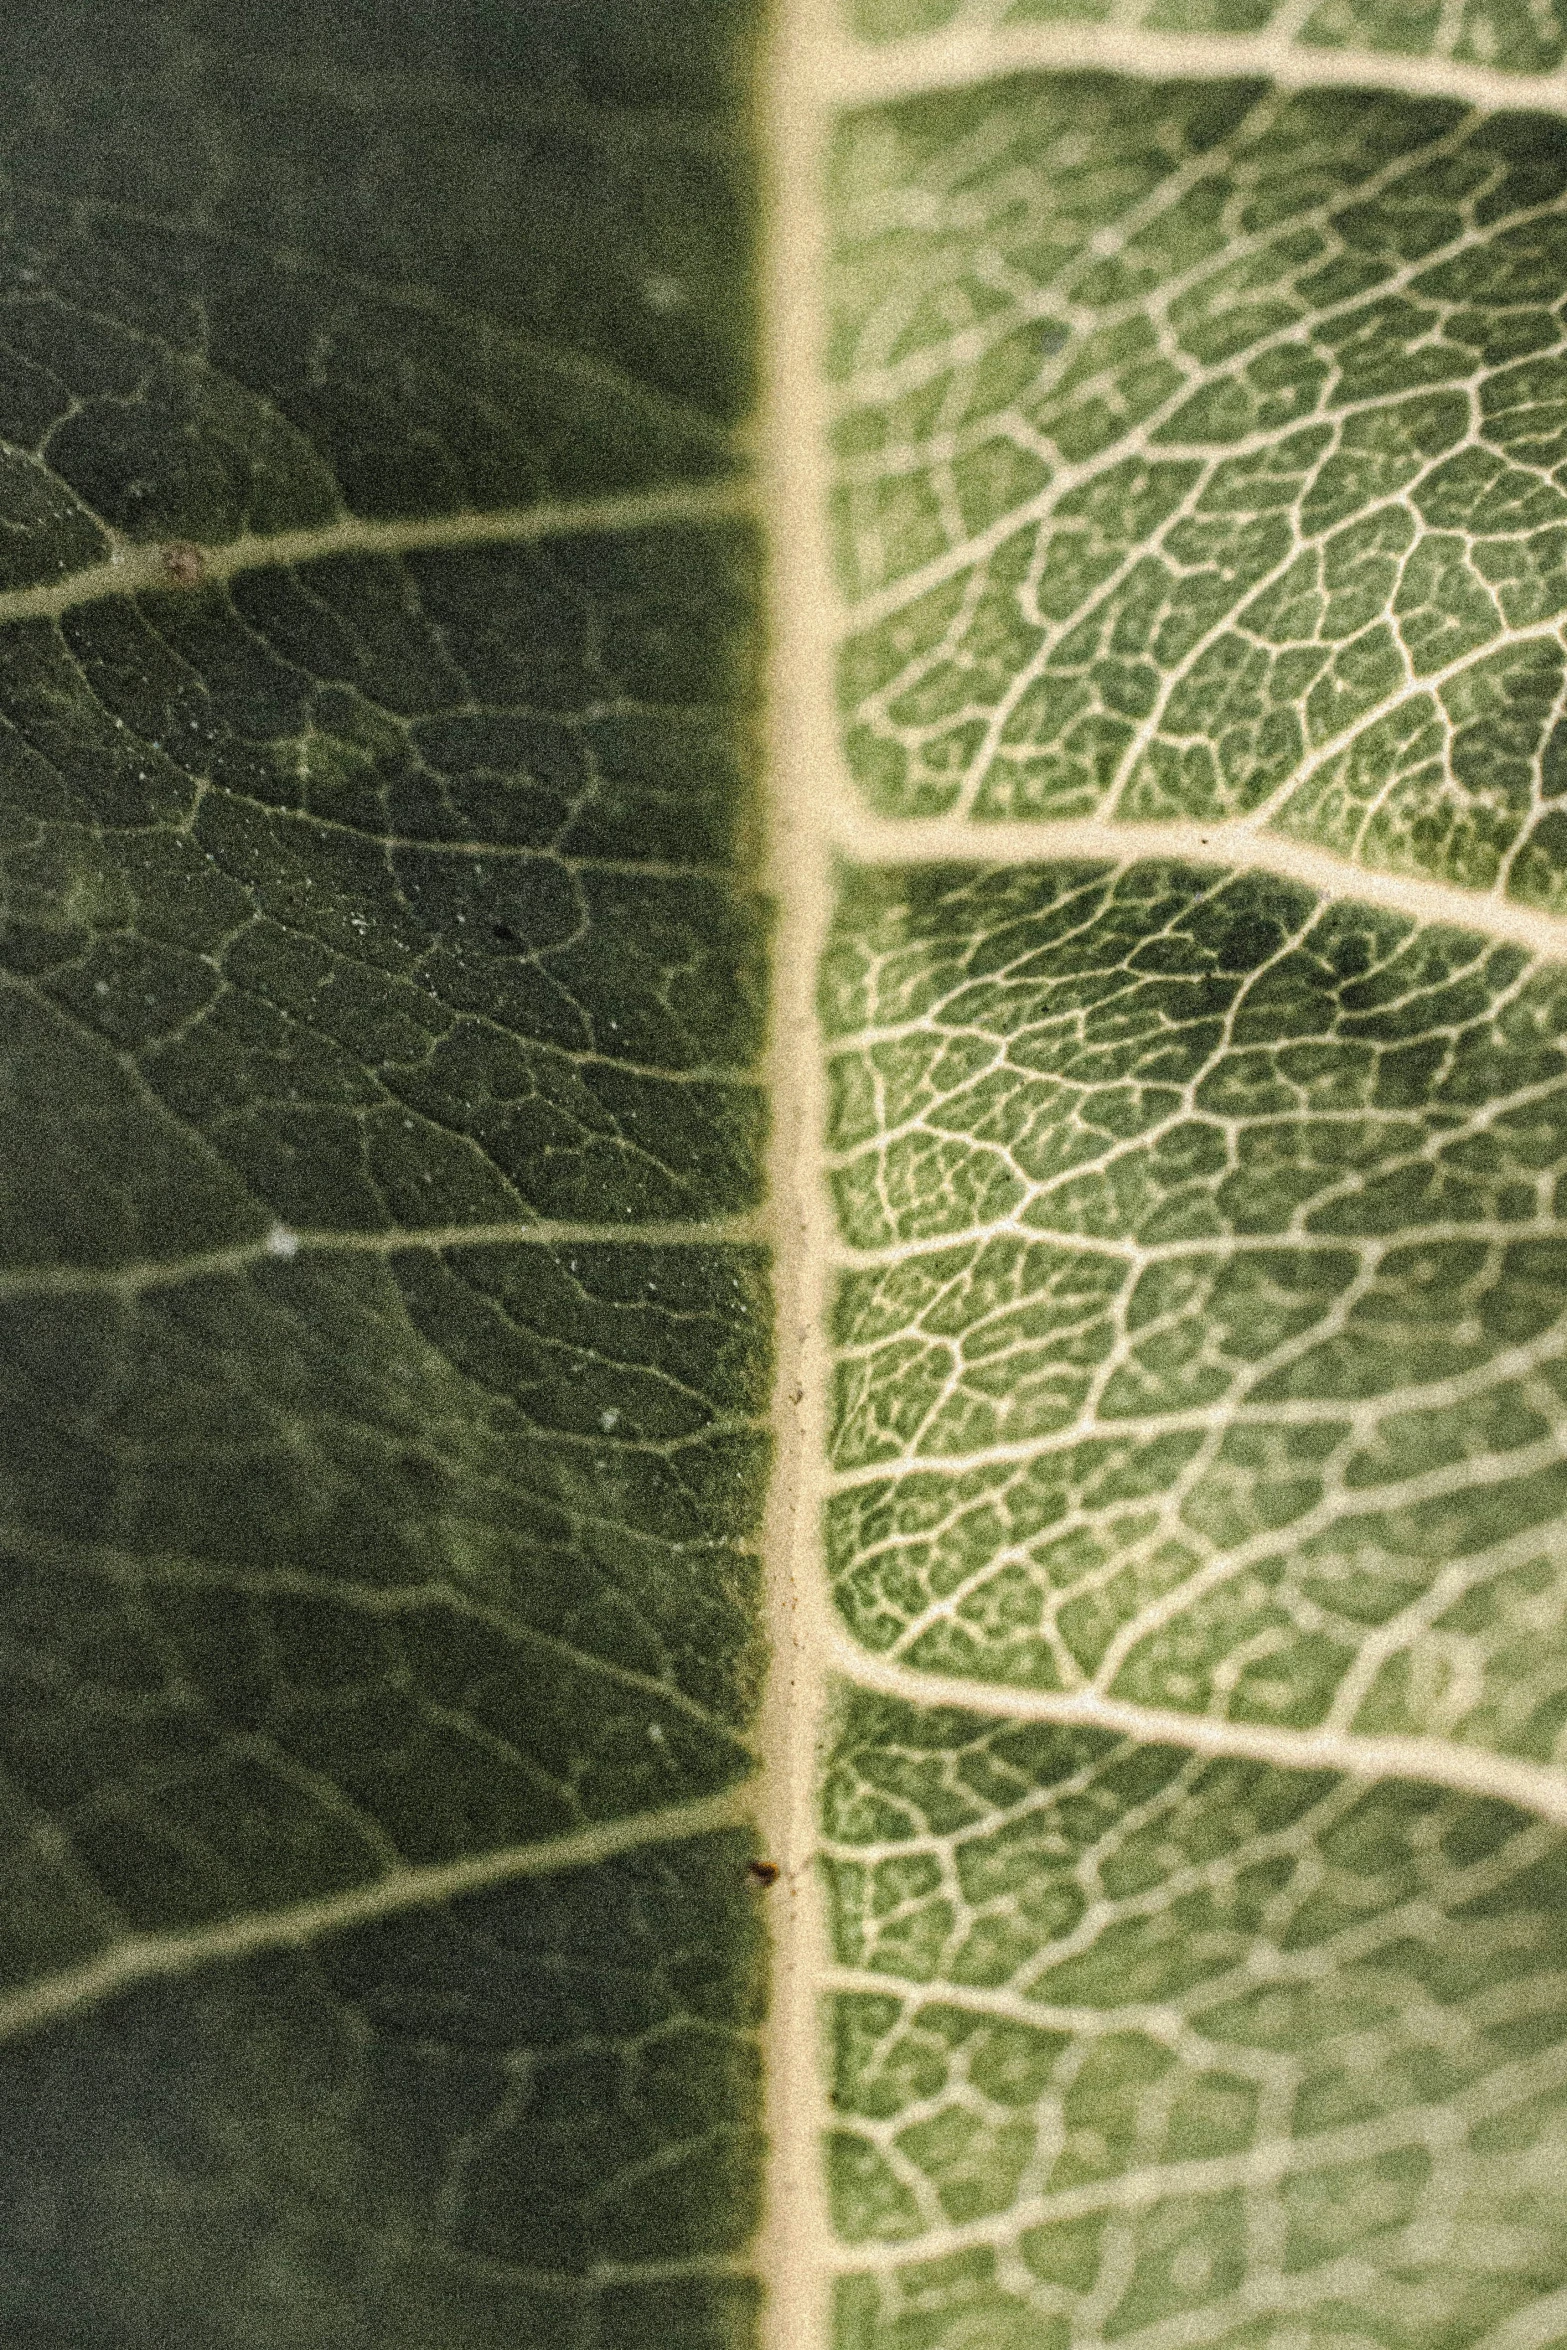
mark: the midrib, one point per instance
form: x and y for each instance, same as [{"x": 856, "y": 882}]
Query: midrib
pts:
[{"x": 796, "y": 2248}]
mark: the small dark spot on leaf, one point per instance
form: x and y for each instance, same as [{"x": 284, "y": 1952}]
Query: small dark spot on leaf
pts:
[
  {"x": 503, "y": 930},
  {"x": 421, "y": 1474},
  {"x": 763, "y": 1872},
  {"x": 183, "y": 564}
]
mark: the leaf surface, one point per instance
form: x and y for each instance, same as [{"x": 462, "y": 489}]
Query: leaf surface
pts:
[
  {"x": 1496, "y": 33},
  {"x": 1145, "y": 1097},
  {"x": 1197, "y": 1436},
  {"x": 385, "y": 1330}
]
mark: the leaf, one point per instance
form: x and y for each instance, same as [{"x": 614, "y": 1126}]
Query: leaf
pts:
[
  {"x": 1144, "y": 1095},
  {"x": 1218, "y": 483},
  {"x": 385, "y": 1323}
]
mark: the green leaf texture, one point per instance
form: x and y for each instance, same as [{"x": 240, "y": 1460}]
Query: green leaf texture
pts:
[
  {"x": 1213, "y": 1342},
  {"x": 1198, "y": 1434},
  {"x": 1152, "y": 2051},
  {"x": 1198, "y": 459},
  {"x": 1511, "y": 36},
  {"x": 1207, "y": 1348},
  {"x": 383, "y": 1336},
  {"x": 386, "y": 1346}
]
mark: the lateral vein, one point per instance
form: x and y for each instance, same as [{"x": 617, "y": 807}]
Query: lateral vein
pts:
[
  {"x": 1237, "y": 846},
  {"x": 142, "y": 1958},
  {"x": 284, "y": 1243},
  {"x": 146, "y": 567},
  {"x": 851, "y": 73},
  {"x": 1533, "y": 1787}
]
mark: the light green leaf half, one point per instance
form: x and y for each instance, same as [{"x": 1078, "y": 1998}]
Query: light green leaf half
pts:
[
  {"x": 1203, "y": 1353},
  {"x": 1133, "y": 2048},
  {"x": 1209, "y": 1339},
  {"x": 1197, "y": 1477},
  {"x": 384, "y": 1343}
]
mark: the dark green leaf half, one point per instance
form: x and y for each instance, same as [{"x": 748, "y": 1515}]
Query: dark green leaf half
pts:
[{"x": 383, "y": 1350}]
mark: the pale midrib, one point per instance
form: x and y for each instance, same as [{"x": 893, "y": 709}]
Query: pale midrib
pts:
[
  {"x": 796, "y": 2248},
  {"x": 1538, "y": 1788},
  {"x": 851, "y": 73},
  {"x": 283, "y": 1244},
  {"x": 1235, "y": 846},
  {"x": 142, "y": 567},
  {"x": 142, "y": 1958}
]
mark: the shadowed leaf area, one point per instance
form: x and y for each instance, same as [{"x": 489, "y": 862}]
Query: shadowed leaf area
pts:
[{"x": 382, "y": 973}]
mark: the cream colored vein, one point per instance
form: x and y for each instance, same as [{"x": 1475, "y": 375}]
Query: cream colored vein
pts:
[
  {"x": 283, "y": 1242},
  {"x": 795, "y": 2246},
  {"x": 849, "y": 73},
  {"x": 1470, "y": 1770},
  {"x": 1239, "y": 846},
  {"x": 143, "y": 1958},
  {"x": 144, "y": 567}
]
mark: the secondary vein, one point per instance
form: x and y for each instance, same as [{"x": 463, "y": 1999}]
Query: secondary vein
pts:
[
  {"x": 284, "y": 1243},
  {"x": 1237, "y": 846},
  {"x": 1533, "y": 1787},
  {"x": 141, "y": 1958},
  {"x": 149, "y": 567},
  {"x": 853, "y": 73}
]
